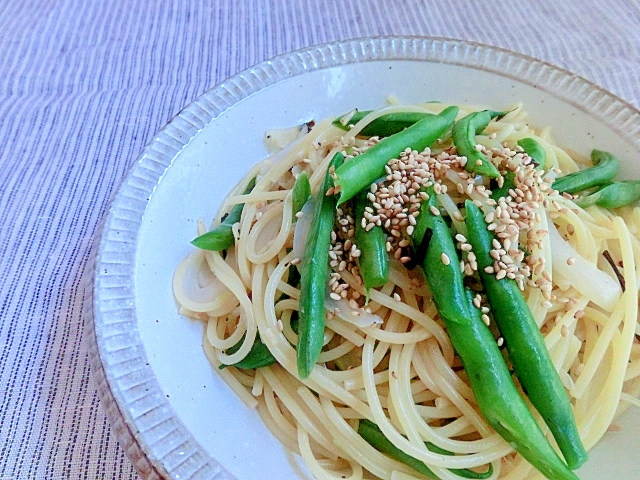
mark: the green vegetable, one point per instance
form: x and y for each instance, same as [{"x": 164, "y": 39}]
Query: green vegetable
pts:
[
  {"x": 358, "y": 173},
  {"x": 464, "y": 138},
  {"x": 301, "y": 192},
  {"x": 221, "y": 236},
  {"x": 383, "y": 126},
  {"x": 509, "y": 183},
  {"x": 259, "y": 356},
  {"x": 497, "y": 396},
  {"x": 374, "y": 437},
  {"x": 374, "y": 259},
  {"x": 605, "y": 167},
  {"x": 431, "y": 239},
  {"x": 314, "y": 274},
  {"x": 525, "y": 344},
  {"x": 536, "y": 151},
  {"x": 489, "y": 377},
  {"x": 612, "y": 195}
]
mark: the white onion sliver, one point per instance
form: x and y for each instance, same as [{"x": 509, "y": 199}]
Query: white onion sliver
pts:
[
  {"x": 190, "y": 292},
  {"x": 583, "y": 275},
  {"x": 301, "y": 230},
  {"x": 345, "y": 312}
]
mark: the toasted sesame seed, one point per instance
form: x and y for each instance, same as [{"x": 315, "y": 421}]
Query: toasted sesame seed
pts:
[{"x": 477, "y": 299}]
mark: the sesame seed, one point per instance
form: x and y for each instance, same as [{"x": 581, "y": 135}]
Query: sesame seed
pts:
[
  {"x": 571, "y": 260},
  {"x": 500, "y": 341},
  {"x": 334, "y": 295},
  {"x": 434, "y": 210},
  {"x": 445, "y": 259},
  {"x": 477, "y": 299},
  {"x": 396, "y": 297}
]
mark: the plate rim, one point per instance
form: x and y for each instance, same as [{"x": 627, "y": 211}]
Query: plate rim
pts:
[{"x": 129, "y": 391}]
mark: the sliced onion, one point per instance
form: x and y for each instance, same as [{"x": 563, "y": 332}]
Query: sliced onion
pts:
[
  {"x": 360, "y": 318},
  {"x": 278, "y": 138},
  {"x": 583, "y": 275},
  {"x": 197, "y": 290},
  {"x": 301, "y": 230}
]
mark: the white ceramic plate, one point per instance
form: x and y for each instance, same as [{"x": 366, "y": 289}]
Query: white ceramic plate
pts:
[{"x": 172, "y": 413}]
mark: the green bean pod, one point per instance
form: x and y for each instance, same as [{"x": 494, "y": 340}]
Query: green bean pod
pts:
[
  {"x": 497, "y": 397},
  {"x": 489, "y": 377},
  {"x": 374, "y": 259},
  {"x": 374, "y": 437},
  {"x": 464, "y": 138},
  {"x": 431, "y": 240},
  {"x": 525, "y": 344},
  {"x": 612, "y": 195},
  {"x": 536, "y": 151},
  {"x": 259, "y": 356},
  {"x": 221, "y": 236},
  {"x": 508, "y": 184},
  {"x": 605, "y": 167},
  {"x": 301, "y": 192},
  {"x": 383, "y": 126},
  {"x": 361, "y": 171},
  {"x": 314, "y": 274}
]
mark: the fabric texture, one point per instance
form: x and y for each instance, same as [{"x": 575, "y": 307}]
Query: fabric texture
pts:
[{"x": 84, "y": 85}]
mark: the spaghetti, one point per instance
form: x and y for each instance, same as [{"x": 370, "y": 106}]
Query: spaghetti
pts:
[{"x": 386, "y": 354}]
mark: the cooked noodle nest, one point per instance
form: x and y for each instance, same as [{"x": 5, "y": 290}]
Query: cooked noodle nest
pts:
[{"x": 401, "y": 370}]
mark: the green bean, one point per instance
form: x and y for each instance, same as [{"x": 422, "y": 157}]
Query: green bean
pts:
[
  {"x": 508, "y": 184},
  {"x": 373, "y": 259},
  {"x": 612, "y": 195},
  {"x": 536, "y": 151},
  {"x": 525, "y": 344},
  {"x": 361, "y": 171},
  {"x": 497, "y": 396},
  {"x": 259, "y": 356},
  {"x": 314, "y": 274},
  {"x": 301, "y": 192},
  {"x": 605, "y": 167},
  {"x": 221, "y": 236},
  {"x": 464, "y": 138},
  {"x": 383, "y": 126},
  {"x": 374, "y": 437},
  {"x": 443, "y": 275},
  {"x": 486, "y": 369}
]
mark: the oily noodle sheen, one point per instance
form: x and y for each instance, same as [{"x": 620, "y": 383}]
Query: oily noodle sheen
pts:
[{"x": 403, "y": 373}]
